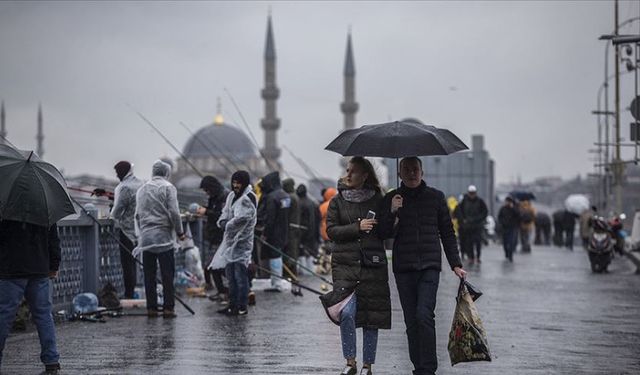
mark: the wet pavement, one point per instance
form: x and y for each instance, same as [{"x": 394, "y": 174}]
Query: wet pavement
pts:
[{"x": 544, "y": 314}]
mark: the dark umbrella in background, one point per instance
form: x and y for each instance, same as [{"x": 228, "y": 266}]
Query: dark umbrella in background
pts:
[
  {"x": 522, "y": 195},
  {"x": 396, "y": 139},
  {"x": 31, "y": 190}
]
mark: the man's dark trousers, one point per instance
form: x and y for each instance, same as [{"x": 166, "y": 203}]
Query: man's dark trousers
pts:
[
  {"x": 417, "y": 291},
  {"x": 128, "y": 266},
  {"x": 167, "y": 272}
]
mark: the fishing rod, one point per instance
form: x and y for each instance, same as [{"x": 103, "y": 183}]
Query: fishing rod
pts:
[
  {"x": 235, "y": 105},
  {"x": 305, "y": 167},
  {"x": 167, "y": 141},
  {"x": 293, "y": 260},
  {"x": 122, "y": 246},
  {"x": 293, "y": 282},
  {"x": 97, "y": 192}
]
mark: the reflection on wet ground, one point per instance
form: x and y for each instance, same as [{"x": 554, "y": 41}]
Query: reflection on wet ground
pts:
[{"x": 545, "y": 313}]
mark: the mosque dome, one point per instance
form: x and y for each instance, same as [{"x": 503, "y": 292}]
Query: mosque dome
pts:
[{"x": 220, "y": 140}]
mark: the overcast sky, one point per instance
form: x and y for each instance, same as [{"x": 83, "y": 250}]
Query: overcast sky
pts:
[{"x": 523, "y": 74}]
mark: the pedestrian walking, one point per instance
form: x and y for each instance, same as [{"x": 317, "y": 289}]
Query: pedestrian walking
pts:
[
  {"x": 273, "y": 217},
  {"x": 472, "y": 215},
  {"x": 158, "y": 221},
  {"x": 122, "y": 213},
  {"x": 585, "y": 225},
  {"x": 238, "y": 219},
  {"x": 29, "y": 259},
  {"x": 310, "y": 233},
  {"x": 569, "y": 227},
  {"x": 418, "y": 219},
  {"x": 213, "y": 234},
  {"x": 527, "y": 221},
  {"x": 543, "y": 229},
  {"x": 293, "y": 238},
  {"x": 509, "y": 219},
  {"x": 558, "y": 231},
  {"x": 359, "y": 264}
]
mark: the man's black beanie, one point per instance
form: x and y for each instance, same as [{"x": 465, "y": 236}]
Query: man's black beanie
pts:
[{"x": 122, "y": 168}]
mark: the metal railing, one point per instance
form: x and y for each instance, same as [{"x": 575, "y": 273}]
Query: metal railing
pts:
[{"x": 91, "y": 257}]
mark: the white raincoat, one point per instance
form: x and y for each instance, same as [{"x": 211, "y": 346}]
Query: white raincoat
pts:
[
  {"x": 124, "y": 205},
  {"x": 238, "y": 220},
  {"x": 157, "y": 214}
]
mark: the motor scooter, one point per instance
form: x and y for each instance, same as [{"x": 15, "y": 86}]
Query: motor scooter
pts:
[{"x": 600, "y": 247}]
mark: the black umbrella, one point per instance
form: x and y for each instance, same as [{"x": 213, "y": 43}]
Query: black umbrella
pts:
[
  {"x": 30, "y": 189},
  {"x": 522, "y": 195},
  {"x": 396, "y": 140}
]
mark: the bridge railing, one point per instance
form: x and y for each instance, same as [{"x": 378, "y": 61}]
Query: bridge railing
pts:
[{"x": 91, "y": 257}]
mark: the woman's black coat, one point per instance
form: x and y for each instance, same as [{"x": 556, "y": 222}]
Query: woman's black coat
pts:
[{"x": 371, "y": 284}]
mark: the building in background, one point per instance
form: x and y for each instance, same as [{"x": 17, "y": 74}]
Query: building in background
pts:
[{"x": 454, "y": 173}]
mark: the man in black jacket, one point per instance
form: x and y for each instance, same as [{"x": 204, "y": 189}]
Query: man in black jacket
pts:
[
  {"x": 509, "y": 219},
  {"x": 273, "y": 215},
  {"x": 418, "y": 219},
  {"x": 471, "y": 214},
  {"x": 29, "y": 258},
  {"x": 310, "y": 221},
  {"x": 212, "y": 233}
]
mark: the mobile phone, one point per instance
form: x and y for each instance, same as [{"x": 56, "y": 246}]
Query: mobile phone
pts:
[{"x": 371, "y": 215}]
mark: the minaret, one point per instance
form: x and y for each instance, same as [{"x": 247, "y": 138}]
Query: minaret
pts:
[
  {"x": 270, "y": 123},
  {"x": 40, "y": 136},
  {"x": 349, "y": 106},
  {"x": 3, "y": 127}
]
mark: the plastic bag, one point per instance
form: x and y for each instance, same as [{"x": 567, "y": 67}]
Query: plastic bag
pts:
[
  {"x": 467, "y": 338},
  {"x": 84, "y": 303}
]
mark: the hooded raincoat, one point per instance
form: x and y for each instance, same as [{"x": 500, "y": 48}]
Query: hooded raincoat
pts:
[
  {"x": 124, "y": 205},
  {"x": 157, "y": 214},
  {"x": 238, "y": 219}
]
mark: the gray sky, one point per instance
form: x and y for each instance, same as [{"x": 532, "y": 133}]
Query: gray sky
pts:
[{"x": 523, "y": 74}]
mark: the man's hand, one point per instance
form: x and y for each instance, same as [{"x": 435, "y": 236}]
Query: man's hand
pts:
[
  {"x": 53, "y": 274},
  {"x": 201, "y": 211},
  {"x": 396, "y": 203},
  {"x": 367, "y": 224},
  {"x": 182, "y": 236},
  {"x": 460, "y": 272}
]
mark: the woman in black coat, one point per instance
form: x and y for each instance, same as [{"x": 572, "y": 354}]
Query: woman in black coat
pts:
[{"x": 360, "y": 296}]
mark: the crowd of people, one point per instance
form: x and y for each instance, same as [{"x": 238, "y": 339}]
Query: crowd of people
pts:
[{"x": 272, "y": 228}]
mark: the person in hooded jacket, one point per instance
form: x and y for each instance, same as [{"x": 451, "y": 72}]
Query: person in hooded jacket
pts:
[
  {"x": 293, "y": 237},
  {"x": 124, "y": 208},
  {"x": 158, "y": 223},
  {"x": 472, "y": 214},
  {"x": 310, "y": 220},
  {"x": 360, "y": 296},
  {"x": 238, "y": 219},
  {"x": 273, "y": 215},
  {"x": 509, "y": 219},
  {"x": 212, "y": 233}
]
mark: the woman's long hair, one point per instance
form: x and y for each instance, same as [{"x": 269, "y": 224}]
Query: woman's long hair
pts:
[{"x": 372, "y": 179}]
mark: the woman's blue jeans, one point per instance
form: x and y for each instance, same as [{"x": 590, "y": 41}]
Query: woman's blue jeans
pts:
[
  {"x": 36, "y": 292},
  {"x": 348, "y": 335}
]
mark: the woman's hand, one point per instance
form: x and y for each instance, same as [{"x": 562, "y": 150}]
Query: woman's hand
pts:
[{"x": 367, "y": 224}]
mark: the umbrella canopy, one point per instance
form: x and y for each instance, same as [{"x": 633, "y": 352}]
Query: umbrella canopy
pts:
[
  {"x": 522, "y": 195},
  {"x": 31, "y": 190},
  {"x": 396, "y": 140},
  {"x": 577, "y": 203}
]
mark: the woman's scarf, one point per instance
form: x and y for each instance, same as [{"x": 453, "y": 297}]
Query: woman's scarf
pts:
[{"x": 358, "y": 195}]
